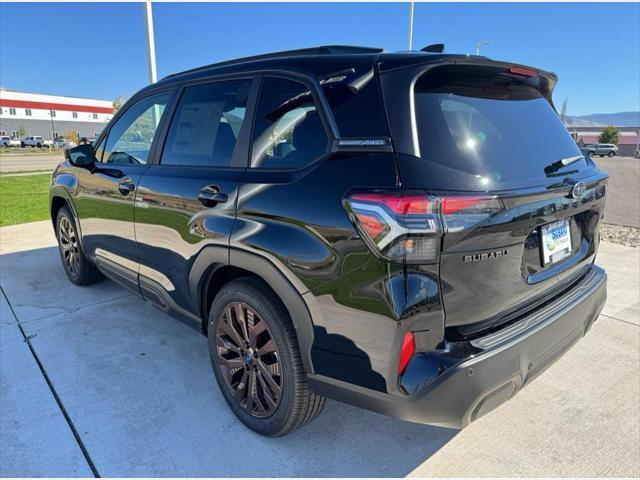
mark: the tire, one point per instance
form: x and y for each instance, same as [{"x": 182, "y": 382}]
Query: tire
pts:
[
  {"x": 296, "y": 403},
  {"x": 22, "y": 145},
  {"x": 77, "y": 267},
  {"x": 591, "y": 154},
  {"x": 611, "y": 154},
  {"x": 38, "y": 145}
]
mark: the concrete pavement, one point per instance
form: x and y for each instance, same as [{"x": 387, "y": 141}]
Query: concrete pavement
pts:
[
  {"x": 137, "y": 387},
  {"x": 30, "y": 417},
  {"x": 623, "y": 194},
  {"x": 26, "y": 163}
]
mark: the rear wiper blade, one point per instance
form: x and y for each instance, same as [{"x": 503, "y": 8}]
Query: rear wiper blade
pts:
[{"x": 550, "y": 170}]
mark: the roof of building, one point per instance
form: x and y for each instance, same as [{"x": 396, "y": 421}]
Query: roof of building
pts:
[
  {"x": 21, "y": 94},
  {"x": 38, "y": 101}
]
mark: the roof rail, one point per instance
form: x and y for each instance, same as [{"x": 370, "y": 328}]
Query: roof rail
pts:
[{"x": 321, "y": 50}]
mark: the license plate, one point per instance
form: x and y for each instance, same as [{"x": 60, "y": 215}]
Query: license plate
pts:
[{"x": 556, "y": 242}]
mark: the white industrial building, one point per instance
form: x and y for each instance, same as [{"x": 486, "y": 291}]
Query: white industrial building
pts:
[{"x": 51, "y": 116}]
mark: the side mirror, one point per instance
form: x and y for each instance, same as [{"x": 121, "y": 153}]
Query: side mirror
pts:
[{"x": 81, "y": 156}]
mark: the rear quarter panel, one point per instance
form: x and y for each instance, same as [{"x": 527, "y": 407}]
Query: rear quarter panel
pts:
[{"x": 297, "y": 221}]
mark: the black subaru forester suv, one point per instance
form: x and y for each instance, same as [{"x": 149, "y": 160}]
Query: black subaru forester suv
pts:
[{"x": 383, "y": 229}]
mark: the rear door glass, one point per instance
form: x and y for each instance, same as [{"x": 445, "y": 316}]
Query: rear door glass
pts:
[{"x": 207, "y": 124}]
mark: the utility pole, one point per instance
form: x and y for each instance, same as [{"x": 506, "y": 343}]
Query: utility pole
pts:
[
  {"x": 481, "y": 43},
  {"x": 151, "y": 57},
  {"x": 151, "y": 45},
  {"x": 411, "y": 25},
  {"x": 53, "y": 127}
]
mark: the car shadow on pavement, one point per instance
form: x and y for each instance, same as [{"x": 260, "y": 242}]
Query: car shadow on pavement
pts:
[{"x": 138, "y": 387}]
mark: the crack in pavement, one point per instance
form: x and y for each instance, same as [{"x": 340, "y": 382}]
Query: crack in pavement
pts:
[
  {"x": 74, "y": 431},
  {"x": 620, "y": 320},
  {"x": 65, "y": 310}
]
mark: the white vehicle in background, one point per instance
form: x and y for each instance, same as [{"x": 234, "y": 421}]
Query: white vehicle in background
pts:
[
  {"x": 7, "y": 141},
  {"x": 62, "y": 143},
  {"x": 35, "y": 141}
]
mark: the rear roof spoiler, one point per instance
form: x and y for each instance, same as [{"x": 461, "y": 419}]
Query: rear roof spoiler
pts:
[{"x": 421, "y": 64}]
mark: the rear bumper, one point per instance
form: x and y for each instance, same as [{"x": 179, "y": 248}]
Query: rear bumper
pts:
[{"x": 502, "y": 364}]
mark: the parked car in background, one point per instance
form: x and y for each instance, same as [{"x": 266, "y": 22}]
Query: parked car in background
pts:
[
  {"x": 35, "y": 141},
  {"x": 602, "y": 149},
  {"x": 377, "y": 228},
  {"x": 62, "y": 143},
  {"x": 7, "y": 141}
]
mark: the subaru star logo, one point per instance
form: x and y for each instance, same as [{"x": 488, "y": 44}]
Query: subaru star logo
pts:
[{"x": 578, "y": 190}]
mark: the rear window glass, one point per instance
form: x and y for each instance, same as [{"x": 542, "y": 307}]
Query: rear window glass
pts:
[{"x": 487, "y": 121}]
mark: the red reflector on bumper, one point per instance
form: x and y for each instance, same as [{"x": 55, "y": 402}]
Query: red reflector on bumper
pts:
[{"x": 406, "y": 352}]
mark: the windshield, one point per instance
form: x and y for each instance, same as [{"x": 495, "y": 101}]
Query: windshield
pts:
[{"x": 487, "y": 121}]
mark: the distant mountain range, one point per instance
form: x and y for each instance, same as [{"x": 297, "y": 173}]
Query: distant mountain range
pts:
[{"x": 620, "y": 119}]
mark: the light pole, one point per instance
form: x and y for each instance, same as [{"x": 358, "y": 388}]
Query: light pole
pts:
[
  {"x": 151, "y": 46},
  {"x": 53, "y": 127},
  {"x": 410, "y": 24},
  {"x": 151, "y": 56},
  {"x": 480, "y": 43}
]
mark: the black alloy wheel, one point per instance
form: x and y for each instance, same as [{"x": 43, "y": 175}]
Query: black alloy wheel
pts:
[
  {"x": 256, "y": 359},
  {"x": 249, "y": 359},
  {"x": 69, "y": 247},
  {"x": 77, "y": 267}
]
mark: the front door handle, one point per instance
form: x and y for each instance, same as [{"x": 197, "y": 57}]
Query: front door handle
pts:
[
  {"x": 211, "y": 196},
  {"x": 126, "y": 186}
]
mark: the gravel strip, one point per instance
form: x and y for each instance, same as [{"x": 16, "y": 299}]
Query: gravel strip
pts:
[{"x": 629, "y": 236}]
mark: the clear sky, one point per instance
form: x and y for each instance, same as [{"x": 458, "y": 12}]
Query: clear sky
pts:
[{"x": 98, "y": 50}]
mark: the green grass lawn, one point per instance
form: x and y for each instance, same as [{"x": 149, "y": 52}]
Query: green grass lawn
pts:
[{"x": 24, "y": 198}]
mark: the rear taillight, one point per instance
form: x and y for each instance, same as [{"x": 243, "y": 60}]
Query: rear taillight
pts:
[
  {"x": 462, "y": 212},
  {"x": 407, "y": 227},
  {"x": 399, "y": 227}
]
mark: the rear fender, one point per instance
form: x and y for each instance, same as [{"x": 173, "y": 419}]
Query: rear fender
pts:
[
  {"x": 288, "y": 293},
  {"x": 62, "y": 184},
  {"x": 288, "y": 289}
]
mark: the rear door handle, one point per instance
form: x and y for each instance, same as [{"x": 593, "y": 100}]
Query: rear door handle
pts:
[
  {"x": 126, "y": 186},
  {"x": 211, "y": 196}
]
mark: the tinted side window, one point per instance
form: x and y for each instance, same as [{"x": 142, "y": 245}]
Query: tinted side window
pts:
[
  {"x": 356, "y": 103},
  {"x": 131, "y": 136},
  {"x": 288, "y": 131},
  {"x": 206, "y": 124}
]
